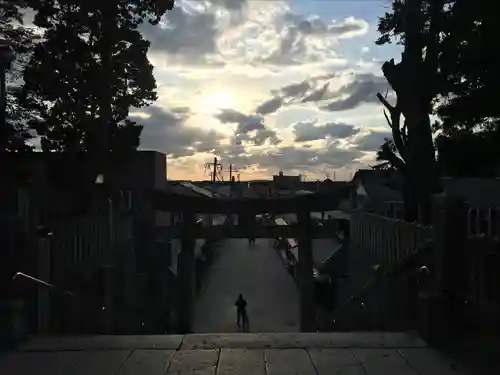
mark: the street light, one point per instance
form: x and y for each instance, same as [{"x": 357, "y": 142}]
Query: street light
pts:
[
  {"x": 108, "y": 268},
  {"x": 100, "y": 181},
  {"x": 6, "y": 58}
]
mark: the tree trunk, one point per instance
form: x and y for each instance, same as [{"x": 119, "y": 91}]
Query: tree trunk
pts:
[
  {"x": 412, "y": 79},
  {"x": 423, "y": 176}
]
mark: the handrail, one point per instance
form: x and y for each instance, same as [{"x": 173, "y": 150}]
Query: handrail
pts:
[
  {"x": 91, "y": 299},
  {"x": 423, "y": 271},
  {"x": 40, "y": 282}
]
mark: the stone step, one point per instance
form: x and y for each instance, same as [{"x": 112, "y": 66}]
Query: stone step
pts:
[
  {"x": 231, "y": 341},
  {"x": 372, "y": 353}
]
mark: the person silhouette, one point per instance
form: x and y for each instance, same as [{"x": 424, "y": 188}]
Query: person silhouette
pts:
[{"x": 241, "y": 312}]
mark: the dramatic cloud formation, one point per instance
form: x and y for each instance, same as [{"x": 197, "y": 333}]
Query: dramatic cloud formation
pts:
[
  {"x": 267, "y": 86},
  {"x": 309, "y": 131},
  {"x": 165, "y": 131}
]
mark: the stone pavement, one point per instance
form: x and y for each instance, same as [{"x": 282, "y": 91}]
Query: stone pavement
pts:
[
  {"x": 372, "y": 353},
  {"x": 259, "y": 274}
]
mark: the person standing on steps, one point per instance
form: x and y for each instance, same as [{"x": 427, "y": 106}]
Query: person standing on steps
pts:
[{"x": 241, "y": 312}]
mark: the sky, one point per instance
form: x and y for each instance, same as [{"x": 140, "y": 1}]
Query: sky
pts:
[{"x": 268, "y": 86}]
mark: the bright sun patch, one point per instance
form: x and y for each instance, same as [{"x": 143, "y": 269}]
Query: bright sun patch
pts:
[{"x": 211, "y": 102}]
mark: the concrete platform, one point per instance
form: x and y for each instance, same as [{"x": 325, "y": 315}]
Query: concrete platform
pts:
[{"x": 373, "y": 353}]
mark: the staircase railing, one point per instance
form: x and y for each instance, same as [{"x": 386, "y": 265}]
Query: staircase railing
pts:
[
  {"x": 388, "y": 301},
  {"x": 78, "y": 313}
]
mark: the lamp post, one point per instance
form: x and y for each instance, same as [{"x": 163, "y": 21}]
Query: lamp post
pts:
[
  {"x": 100, "y": 181},
  {"x": 108, "y": 272},
  {"x": 6, "y": 58}
]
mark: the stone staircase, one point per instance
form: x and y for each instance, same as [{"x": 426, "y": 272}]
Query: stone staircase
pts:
[{"x": 373, "y": 353}]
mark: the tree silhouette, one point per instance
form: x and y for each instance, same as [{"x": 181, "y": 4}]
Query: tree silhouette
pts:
[
  {"x": 82, "y": 80},
  {"x": 468, "y": 144},
  {"x": 469, "y": 154},
  {"x": 388, "y": 157},
  {"x": 465, "y": 83},
  {"x": 15, "y": 134},
  {"x": 416, "y": 25}
]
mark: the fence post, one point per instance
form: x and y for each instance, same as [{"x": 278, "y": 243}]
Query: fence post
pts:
[{"x": 440, "y": 309}]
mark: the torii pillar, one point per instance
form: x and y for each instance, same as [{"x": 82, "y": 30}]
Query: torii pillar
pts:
[
  {"x": 306, "y": 281},
  {"x": 187, "y": 273}
]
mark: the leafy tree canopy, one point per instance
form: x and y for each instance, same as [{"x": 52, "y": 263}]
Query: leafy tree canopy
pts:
[
  {"x": 467, "y": 82},
  {"x": 90, "y": 69},
  {"x": 15, "y": 133}
]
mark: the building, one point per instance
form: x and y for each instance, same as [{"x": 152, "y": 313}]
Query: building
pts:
[
  {"x": 283, "y": 182},
  {"x": 374, "y": 191},
  {"x": 259, "y": 188}
]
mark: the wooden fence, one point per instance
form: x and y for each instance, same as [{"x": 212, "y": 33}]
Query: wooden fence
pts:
[
  {"x": 480, "y": 220},
  {"x": 75, "y": 242},
  {"x": 481, "y": 272},
  {"x": 463, "y": 247},
  {"x": 391, "y": 240}
]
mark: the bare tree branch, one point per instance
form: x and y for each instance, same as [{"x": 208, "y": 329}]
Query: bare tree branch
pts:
[
  {"x": 385, "y": 153},
  {"x": 386, "y": 104},
  {"x": 394, "y": 123}
]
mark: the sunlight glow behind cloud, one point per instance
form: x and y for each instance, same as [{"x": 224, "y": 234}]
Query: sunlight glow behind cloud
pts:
[{"x": 266, "y": 86}]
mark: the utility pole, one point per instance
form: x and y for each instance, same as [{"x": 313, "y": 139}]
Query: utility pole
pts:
[
  {"x": 216, "y": 168},
  {"x": 232, "y": 172}
]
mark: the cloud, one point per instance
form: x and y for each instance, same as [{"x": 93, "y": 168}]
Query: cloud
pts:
[
  {"x": 262, "y": 57},
  {"x": 348, "y": 28},
  {"x": 166, "y": 132},
  {"x": 310, "y": 131},
  {"x": 187, "y": 34},
  {"x": 372, "y": 140},
  {"x": 363, "y": 89},
  {"x": 270, "y": 106},
  {"x": 250, "y": 128},
  {"x": 294, "y": 158},
  {"x": 246, "y": 32}
]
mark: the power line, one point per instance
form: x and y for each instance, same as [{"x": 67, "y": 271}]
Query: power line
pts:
[
  {"x": 232, "y": 171},
  {"x": 215, "y": 170}
]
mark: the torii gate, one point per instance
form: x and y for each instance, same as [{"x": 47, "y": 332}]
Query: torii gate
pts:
[{"x": 188, "y": 232}]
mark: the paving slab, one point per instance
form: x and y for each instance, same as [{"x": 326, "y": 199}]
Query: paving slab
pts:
[
  {"x": 336, "y": 362},
  {"x": 193, "y": 362},
  {"x": 368, "y": 353},
  {"x": 280, "y": 361},
  {"x": 431, "y": 362},
  {"x": 383, "y": 362},
  {"x": 39, "y": 363},
  {"x": 303, "y": 340},
  {"x": 96, "y": 342},
  {"x": 147, "y": 361},
  {"x": 241, "y": 361}
]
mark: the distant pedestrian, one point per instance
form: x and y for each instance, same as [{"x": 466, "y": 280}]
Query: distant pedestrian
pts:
[{"x": 241, "y": 312}]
